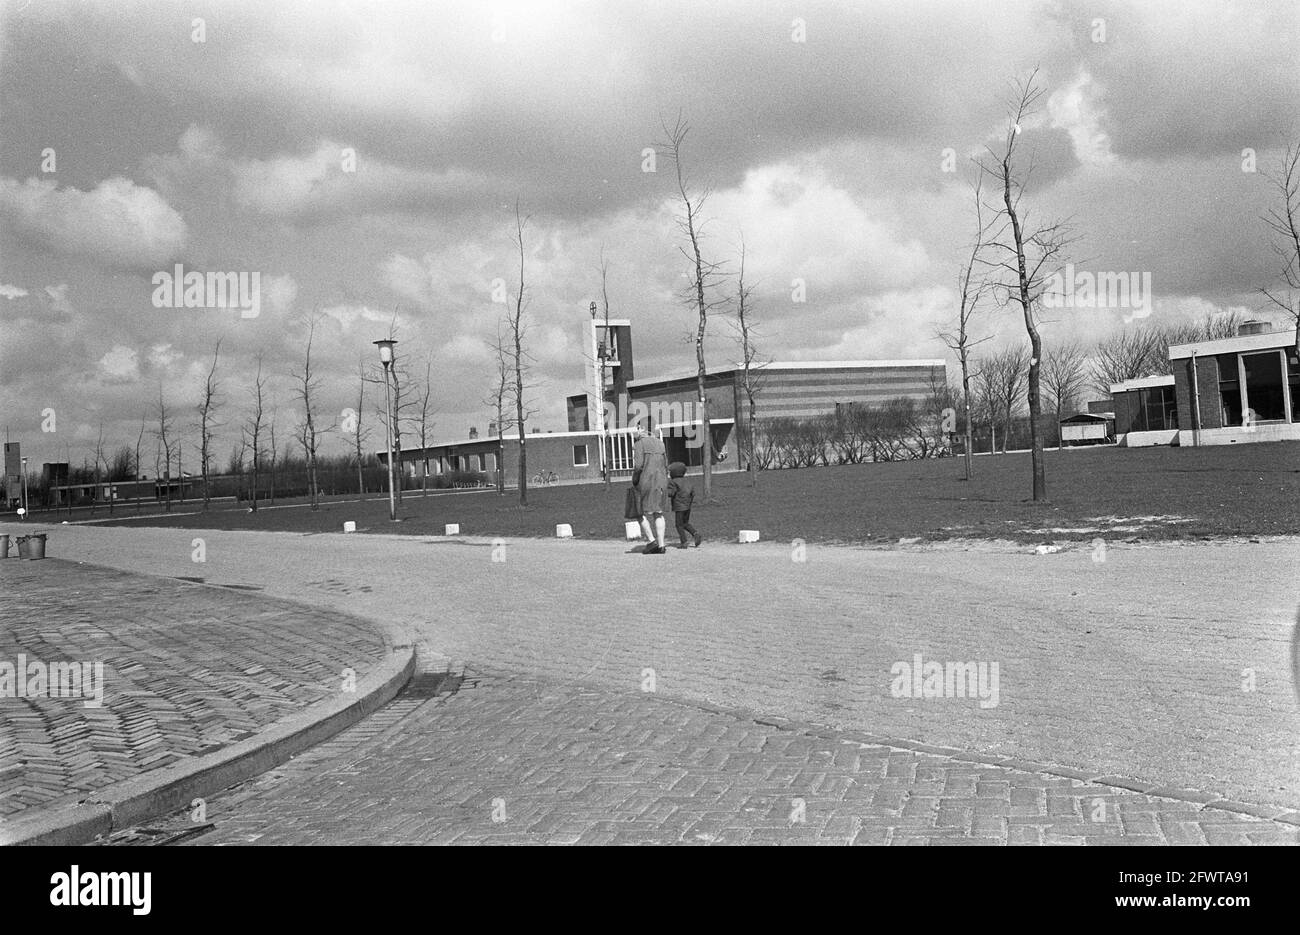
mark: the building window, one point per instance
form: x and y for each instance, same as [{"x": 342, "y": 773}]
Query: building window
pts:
[
  {"x": 1229, "y": 390},
  {"x": 1293, "y": 378},
  {"x": 618, "y": 453},
  {"x": 482, "y": 462},
  {"x": 1264, "y": 386},
  {"x": 1157, "y": 410},
  {"x": 490, "y": 461},
  {"x": 579, "y": 455}
]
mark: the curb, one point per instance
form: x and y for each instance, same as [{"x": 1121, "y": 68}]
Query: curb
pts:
[{"x": 165, "y": 791}]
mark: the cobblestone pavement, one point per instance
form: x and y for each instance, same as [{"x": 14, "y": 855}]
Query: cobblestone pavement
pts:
[
  {"x": 1168, "y": 665},
  {"x": 187, "y": 670},
  {"x": 512, "y": 760}
]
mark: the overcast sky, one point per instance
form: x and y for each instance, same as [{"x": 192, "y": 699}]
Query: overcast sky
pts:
[{"x": 821, "y": 129}]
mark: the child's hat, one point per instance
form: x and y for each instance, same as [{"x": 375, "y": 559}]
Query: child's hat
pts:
[{"x": 677, "y": 469}]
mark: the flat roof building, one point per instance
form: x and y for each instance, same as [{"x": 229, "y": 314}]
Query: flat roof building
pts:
[
  {"x": 1240, "y": 389},
  {"x": 1145, "y": 411},
  {"x": 600, "y": 419}
]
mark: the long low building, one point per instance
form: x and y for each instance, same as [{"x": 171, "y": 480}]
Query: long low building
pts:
[
  {"x": 783, "y": 389},
  {"x": 600, "y": 419}
]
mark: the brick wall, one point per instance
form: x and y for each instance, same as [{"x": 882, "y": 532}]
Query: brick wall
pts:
[
  {"x": 1124, "y": 405},
  {"x": 1207, "y": 373}
]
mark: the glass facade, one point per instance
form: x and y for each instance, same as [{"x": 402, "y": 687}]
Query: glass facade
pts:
[{"x": 1259, "y": 386}]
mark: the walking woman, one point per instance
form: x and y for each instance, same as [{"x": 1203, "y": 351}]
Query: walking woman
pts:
[{"x": 650, "y": 478}]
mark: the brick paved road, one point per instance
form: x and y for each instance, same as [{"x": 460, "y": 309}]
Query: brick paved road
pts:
[
  {"x": 511, "y": 760},
  {"x": 1131, "y": 667},
  {"x": 187, "y": 669}
]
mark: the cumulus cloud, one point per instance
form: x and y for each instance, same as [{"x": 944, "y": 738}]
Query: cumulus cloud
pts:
[
  {"x": 117, "y": 224},
  {"x": 797, "y": 225},
  {"x": 162, "y": 356},
  {"x": 279, "y": 293},
  {"x": 120, "y": 365},
  {"x": 1076, "y": 108},
  {"x": 58, "y": 296}
]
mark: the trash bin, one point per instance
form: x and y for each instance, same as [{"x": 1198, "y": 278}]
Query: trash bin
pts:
[
  {"x": 36, "y": 546},
  {"x": 4, "y": 545},
  {"x": 22, "y": 546}
]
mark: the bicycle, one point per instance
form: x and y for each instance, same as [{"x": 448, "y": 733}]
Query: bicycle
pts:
[{"x": 545, "y": 477}]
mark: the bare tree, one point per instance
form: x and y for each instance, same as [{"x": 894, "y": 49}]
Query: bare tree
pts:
[
  {"x": 1064, "y": 377},
  {"x": 138, "y": 441},
  {"x": 1132, "y": 353},
  {"x": 1128, "y": 354},
  {"x": 163, "y": 433},
  {"x": 275, "y": 456},
  {"x": 209, "y": 401},
  {"x": 309, "y": 432},
  {"x": 119, "y": 469},
  {"x": 405, "y": 397},
  {"x": 1283, "y": 221},
  {"x": 987, "y": 394},
  {"x": 359, "y": 433},
  {"x": 253, "y": 429},
  {"x": 969, "y": 291},
  {"x": 518, "y": 330},
  {"x": 497, "y": 399},
  {"x": 1024, "y": 252},
  {"x": 704, "y": 277},
  {"x": 751, "y": 366},
  {"x": 1009, "y": 367},
  {"x": 425, "y": 424},
  {"x": 99, "y": 457}
]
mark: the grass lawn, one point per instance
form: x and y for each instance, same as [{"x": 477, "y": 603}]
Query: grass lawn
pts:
[{"x": 1118, "y": 493}]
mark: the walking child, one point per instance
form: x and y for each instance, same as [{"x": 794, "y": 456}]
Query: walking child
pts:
[{"x": 682, "y": 496}]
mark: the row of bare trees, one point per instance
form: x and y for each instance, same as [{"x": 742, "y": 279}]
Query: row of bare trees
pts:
[
  {"x": 258, "y": 445},
  {"x": 898, "y": 430}
]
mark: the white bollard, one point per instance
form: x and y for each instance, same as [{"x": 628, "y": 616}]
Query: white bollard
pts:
[
  {"x": 349, "y": 526},
  {"x": 632, "y": 530},
  {"x": 452, "y": 529},
  {"x": 749, "y": 535},
  {"x": 564, "y": 531}
]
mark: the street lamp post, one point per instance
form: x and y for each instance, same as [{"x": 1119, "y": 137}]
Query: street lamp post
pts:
[
  {"x": 386, "y": 358},
  {"x": 25, "y": 507}
]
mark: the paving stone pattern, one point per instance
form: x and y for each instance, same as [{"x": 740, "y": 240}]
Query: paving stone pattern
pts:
[
  {"x": 511, "y": 760},
  {"x": 188, "y": 669}
]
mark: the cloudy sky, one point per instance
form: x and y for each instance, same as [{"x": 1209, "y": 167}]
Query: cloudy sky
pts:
[{"x": 364, "y": 159}]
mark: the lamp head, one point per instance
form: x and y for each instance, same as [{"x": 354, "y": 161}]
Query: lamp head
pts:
[{"x": 386, "y": 351}]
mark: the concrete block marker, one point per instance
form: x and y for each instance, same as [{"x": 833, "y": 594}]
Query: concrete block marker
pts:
[
  {"x": 563, "y": 531},
  {"x": 632, "y": 530},
  {"x": 749, "y": 535},
  {"x": 452, "y": 529},
  {"x": 349, "y": 526}
]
